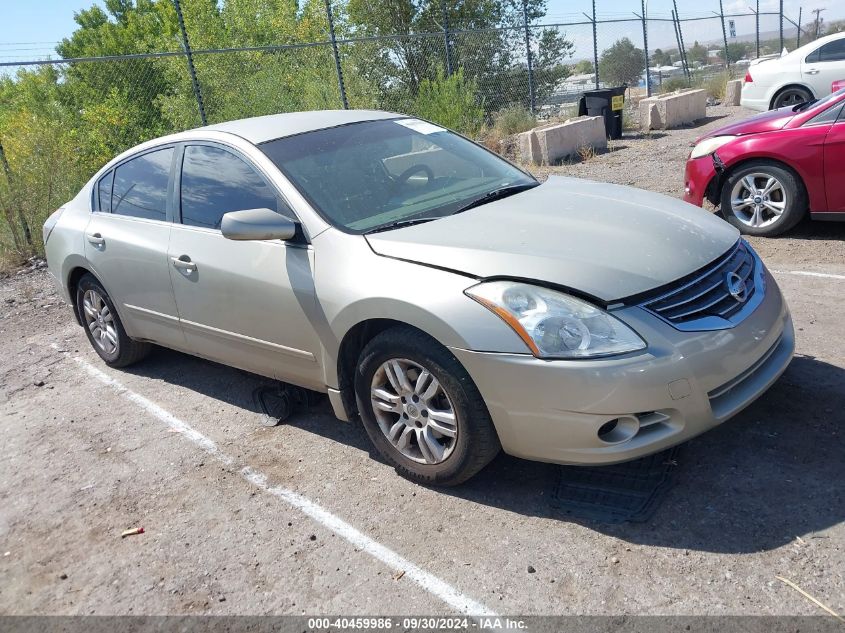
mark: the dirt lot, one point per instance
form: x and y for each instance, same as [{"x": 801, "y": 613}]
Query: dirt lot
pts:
[{"x": 300, "y": 518}]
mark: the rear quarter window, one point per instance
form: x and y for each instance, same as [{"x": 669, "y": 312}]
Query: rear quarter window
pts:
[{"x": 102, "y": 200}]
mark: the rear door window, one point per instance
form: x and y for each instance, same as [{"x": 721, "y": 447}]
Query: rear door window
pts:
[
  {"x": 215, "y": 182},
  {"x": 140, "y": 186},
  {"x": 830, "y": 52}
]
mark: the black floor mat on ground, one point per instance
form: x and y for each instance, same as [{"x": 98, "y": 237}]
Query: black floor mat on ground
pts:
[{"x": 614, "y": 494}]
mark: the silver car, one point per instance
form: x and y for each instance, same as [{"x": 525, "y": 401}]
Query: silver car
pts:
[{"x": 444, "y": 296}]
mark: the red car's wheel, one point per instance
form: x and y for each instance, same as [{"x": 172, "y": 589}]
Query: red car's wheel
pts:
[{"x": 763, "y": 198}]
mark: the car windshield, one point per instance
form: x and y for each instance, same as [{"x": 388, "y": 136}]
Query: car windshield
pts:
[{"x": 373, "y": 175}]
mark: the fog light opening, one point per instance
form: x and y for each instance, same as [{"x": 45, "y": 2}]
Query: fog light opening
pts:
[{"x": 619, "y": 430}]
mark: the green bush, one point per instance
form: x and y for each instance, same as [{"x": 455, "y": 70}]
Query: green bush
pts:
[
  {"x": 451, "y": 102},
  {"x": 513, "y": 120}
]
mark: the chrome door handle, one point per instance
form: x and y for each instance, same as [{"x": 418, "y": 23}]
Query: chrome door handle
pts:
[
  {"x": 813, "y": 71},
  {"x": 183, "y": 262},
  {"x": 96, "y": 238}
]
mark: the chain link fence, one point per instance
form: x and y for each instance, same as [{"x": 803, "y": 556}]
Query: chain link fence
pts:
[{"x": 60, "y": 120}]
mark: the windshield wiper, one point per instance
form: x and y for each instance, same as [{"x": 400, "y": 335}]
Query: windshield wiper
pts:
[
  {"x": 496, "y": 194},
  {"x": 400, "y": 224}
]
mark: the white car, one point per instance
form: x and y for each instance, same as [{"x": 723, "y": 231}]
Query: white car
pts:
[{"x": 804, "y": 74}]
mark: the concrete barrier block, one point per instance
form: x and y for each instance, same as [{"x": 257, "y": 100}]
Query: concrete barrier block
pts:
[
  {"x": 528, "y": 148},
  {"x": 560, "y": 140},
  {"x": 673, "y": 110},
  {"x": 733, "y": 92}
]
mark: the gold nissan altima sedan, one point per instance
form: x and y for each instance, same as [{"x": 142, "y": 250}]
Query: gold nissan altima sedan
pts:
[{"x": 435, "y": 291}]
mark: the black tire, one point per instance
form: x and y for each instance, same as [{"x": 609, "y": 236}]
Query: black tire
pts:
[
  {"x": 791, "y": 96},
  {"x": 476, "y": 442},
  {"x": 796, "y": 198},
  {"x": 127, "y": 350}
]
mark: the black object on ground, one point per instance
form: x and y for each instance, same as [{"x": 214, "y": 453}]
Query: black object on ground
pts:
[
  {"x": 614, "y": 494},
  {"x": 608, "y": 103},
  {"x": 278, "y": 402}
]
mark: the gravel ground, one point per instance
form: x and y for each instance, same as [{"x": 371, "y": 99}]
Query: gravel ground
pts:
[{"x": 80, "y": 461}]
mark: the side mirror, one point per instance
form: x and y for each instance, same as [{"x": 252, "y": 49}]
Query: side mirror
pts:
[{"x": 257, "y": 224}]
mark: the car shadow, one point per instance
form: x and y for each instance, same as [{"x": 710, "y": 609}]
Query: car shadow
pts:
[
  {"x": 772, "y": 473},
  {"x": 809, "y": 229}
]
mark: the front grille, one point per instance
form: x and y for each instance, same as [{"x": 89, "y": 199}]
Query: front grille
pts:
[{"x": 706, "y": 302}]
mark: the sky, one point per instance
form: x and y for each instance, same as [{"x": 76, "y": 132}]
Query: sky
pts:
[{"x": 30, "y": 29}]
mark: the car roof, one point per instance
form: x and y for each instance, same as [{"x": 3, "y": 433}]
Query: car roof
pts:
[{"x": 272, "y": 126}]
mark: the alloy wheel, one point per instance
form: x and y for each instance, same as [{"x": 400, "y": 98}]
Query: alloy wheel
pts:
[
  {"x": 790, "y": 98},
  {"x": 414, "y": 411},
  {"x": 758, "y": 200},
  {"x": 100, "y": 321}
]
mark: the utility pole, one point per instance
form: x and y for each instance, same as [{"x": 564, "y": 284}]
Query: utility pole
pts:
[
  {"x": 446, "y": 38},
  {"x": 818, "y": 21},
  {"x": 192, "y": 71},
  {"x": 341, "y": 86},
  {"x": 595, "y": 47},
  {"x": 531, "y": 103},
  {"x": 781, "y": 25},
  {"x": 724, "y": 33},
  {"x": 798, "y": 41},
  {"x": 757, "y": 28},
  {"x": 644, "y": 5}
]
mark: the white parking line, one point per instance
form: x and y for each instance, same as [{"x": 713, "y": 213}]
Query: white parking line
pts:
[
  {"x": 431, "y": 583},
  {"x": 807, "y": 273}
]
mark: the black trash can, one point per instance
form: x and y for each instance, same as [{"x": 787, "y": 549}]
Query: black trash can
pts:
[{"x": 608, "y": 103}]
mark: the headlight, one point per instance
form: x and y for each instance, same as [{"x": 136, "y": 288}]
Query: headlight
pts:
[
  {"x": 556, "y": 325},
  {"x": 710, "y": 145}
]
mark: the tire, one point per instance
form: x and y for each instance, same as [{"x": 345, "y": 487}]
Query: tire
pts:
[
  {"x": 474, "y": 443},
  {"x": 791, "y": 96},
  {"x": 103, "y": 326},
  {"x": 787, "y": 195}
]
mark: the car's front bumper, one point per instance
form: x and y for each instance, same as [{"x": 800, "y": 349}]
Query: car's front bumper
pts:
[
  {"x": 697, "y": 176},
  {"x": 684, "y": 384}
]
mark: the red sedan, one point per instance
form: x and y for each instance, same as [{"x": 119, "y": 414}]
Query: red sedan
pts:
[{"x": 768, "y": 171}]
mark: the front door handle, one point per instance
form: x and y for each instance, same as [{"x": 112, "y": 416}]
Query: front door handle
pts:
[
  {"x": 813, "y": 71},
  {"x": 183, "y": 262},
  {"x": 96, "y": 238}
]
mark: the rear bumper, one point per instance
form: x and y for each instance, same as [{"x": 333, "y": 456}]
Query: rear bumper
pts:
[
  {"x": 697, "y": 176},
  {"x": 683, "y": 385},
  {"x": 761, "y": 104}
]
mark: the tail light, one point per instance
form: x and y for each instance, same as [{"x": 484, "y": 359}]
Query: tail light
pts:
[{"x": 748, "y": 78}]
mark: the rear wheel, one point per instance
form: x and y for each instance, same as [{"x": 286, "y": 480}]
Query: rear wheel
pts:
[
  {"x": 103, "y": 327},
  {"x": 791, "y": 96},
  {"x": 421, "y": 409},
  {"x": 763, "y": 198}
]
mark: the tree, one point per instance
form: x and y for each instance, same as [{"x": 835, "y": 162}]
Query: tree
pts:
[
  {"x": 621, "y": 64},
  {"x": 492, "y": 54},
  {"x": 451, "y": 102},
  {"x": 737, "y": 51},
  {"x": 584, "y": 67},
  {"x": 698, "y": 53},
  {"x": 661, "y": 58}
]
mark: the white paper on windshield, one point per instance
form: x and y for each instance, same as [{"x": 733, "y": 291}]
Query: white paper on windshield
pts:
[{"x": 423, "y": 127}]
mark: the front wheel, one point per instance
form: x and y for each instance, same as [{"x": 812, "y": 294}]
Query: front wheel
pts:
[
  {"x": 762, "y": 198},
  {"x": 422, "y": 410}
]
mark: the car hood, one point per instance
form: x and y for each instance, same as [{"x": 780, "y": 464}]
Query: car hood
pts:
[
  {"x": 605, "y": 241},
  {"x": 770, "y": 121}
]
